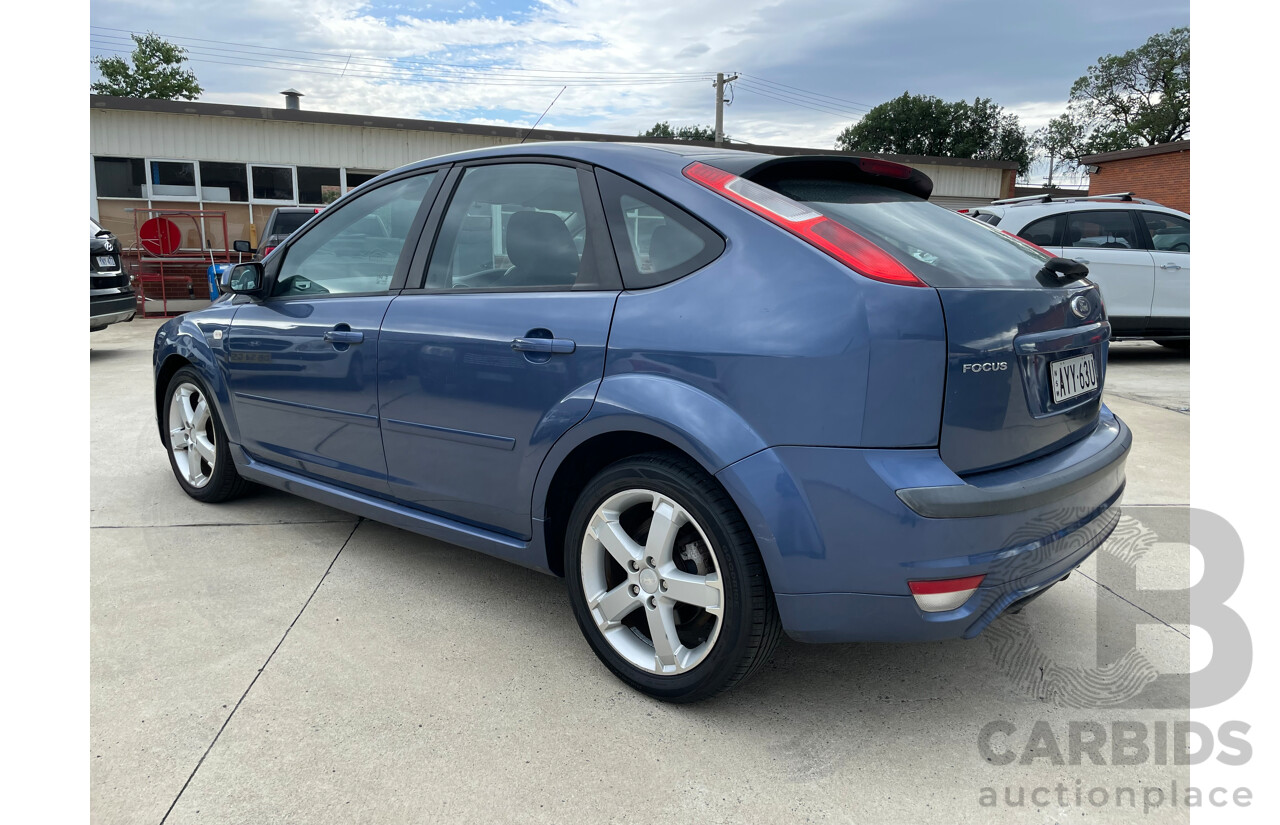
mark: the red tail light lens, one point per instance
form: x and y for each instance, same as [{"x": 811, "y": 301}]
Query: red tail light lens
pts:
[
  {"x": 835, "y": 239},
  {"x": 267, "y": 251},
  {"x": 874, "y": 166}
]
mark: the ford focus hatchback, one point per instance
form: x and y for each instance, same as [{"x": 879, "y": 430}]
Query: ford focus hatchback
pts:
[{"x": 725, "y": 395}]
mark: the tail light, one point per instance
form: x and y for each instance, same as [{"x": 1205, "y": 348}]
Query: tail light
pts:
[
  {"x": 939, "y": 595},
  {"x": 266, "y": 250},
  {"x": 835, "y": 239}
]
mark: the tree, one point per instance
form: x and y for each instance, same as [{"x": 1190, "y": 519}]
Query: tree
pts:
[
  {"x": 1057, "y": 142},
  {"x": 157, "y": 72},
  {"x": 664, "y": 130},
  {"x": 927, "y": 125},
  {"x": 1139, "y": 98}
]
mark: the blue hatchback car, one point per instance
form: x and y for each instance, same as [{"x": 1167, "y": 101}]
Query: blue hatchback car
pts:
[{"x": 724, "y": 394}]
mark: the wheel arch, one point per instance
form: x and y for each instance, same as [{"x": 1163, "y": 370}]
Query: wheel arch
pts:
[{"x": 635, "y": 414}]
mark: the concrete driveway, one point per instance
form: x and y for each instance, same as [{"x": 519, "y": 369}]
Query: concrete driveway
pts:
[{"x": 272, "y": 660}]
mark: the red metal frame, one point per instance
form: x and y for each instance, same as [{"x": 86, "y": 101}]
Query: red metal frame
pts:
[{"x": 182, "y": 274}]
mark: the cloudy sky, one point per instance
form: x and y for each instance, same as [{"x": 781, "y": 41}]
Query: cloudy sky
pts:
[{"x": 809, "y": 67}]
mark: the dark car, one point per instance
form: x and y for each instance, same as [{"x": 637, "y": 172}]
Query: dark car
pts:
[
  {"x": 111, "y": 297},
  {"x": 283, "y": 222},
  {"x": 725, "y": 394}
]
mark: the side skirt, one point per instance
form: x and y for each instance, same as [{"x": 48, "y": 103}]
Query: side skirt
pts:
[{"x": 528, "y": 554}]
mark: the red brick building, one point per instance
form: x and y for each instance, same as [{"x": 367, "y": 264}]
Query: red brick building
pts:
[{"x": 1161, "y": 173}]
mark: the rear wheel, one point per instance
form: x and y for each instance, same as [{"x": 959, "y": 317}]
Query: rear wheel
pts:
[
  {"x": 198, "y": 451},
  {"x": 666, "y": 581}
]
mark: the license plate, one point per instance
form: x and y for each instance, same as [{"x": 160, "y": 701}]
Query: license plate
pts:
[
  {"x": 107, "y": 261},
  {"x": 1072, "y": 376}
]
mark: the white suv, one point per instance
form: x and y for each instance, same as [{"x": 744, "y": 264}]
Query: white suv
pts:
[{"x": 1138, "y": 253}]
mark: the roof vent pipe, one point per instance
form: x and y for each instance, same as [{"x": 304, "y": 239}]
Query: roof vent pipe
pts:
[{"x": 291, "y": 98}]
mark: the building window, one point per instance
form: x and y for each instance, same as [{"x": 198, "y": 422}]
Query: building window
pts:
[
  {"x": 272, "y": 183},
  {"x": 119, "y": 177},
  {"x": 225, "y": 182},
  {"x": 173, "y": 179},
  {"x": 354, "y": 179},
  {"x": 318, "y": 184}
]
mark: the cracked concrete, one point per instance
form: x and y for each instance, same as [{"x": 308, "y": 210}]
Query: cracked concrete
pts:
[{"x": 272, "y": 660}]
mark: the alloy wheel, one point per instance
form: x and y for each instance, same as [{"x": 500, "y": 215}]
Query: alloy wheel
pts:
[{"x": 652, "y": 582}]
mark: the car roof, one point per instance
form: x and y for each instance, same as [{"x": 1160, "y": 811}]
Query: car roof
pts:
[
  {"x": 1024, "y": 213},
  {"x": 596, "y": 152}
]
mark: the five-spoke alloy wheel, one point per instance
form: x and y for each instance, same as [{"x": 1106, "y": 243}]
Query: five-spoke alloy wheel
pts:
[
  {"x": 197, "y": 442},
  {"x": 666, "y": 581}
]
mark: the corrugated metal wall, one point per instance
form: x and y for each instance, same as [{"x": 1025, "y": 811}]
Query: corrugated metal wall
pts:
[
  {"x": 200, "y": 137},
  {"x": 197, "y": 137}
]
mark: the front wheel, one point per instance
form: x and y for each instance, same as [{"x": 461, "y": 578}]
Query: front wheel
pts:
[
  {"x": 666, "y": 581},
  {"x": 198, "y": 451}
]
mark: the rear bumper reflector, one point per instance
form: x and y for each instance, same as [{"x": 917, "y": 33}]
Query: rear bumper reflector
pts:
[{"x": 941, "y": 595}]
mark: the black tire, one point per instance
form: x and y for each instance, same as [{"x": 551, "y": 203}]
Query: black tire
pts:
[
  {"x": 750, "y": 627},
  {"x": 224, "y": 482}
]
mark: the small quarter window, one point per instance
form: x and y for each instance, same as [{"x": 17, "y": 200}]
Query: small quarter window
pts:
[{"x": 656, "y": 241}]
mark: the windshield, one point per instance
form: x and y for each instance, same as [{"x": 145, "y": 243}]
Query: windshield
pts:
[{"x": 941, "y": 247}]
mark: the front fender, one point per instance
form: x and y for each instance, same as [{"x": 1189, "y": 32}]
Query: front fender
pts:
[{"x": 197, "y": 338}]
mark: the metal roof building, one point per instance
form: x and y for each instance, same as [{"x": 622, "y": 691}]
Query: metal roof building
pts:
[{"x": 247, "y": 160}]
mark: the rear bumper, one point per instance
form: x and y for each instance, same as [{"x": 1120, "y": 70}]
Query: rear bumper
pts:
[
  {"x": 840, "y": 540},
  {"x": 108, "y": 306}
]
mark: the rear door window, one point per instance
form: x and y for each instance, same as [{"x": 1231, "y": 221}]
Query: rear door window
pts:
[
  {"x": 941, "y": 247},
  {"x": 1110, "y": 229},
  {"x": 656, "y": 241}
]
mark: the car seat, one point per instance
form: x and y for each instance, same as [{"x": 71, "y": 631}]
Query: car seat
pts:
[{"x": 541, "y": 251}]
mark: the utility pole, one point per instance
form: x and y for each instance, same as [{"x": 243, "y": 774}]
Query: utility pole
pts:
[{"x": 721, "y": 80}]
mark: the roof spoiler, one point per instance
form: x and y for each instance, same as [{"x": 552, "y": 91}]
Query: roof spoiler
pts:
[{"x": 886, "y": 173}]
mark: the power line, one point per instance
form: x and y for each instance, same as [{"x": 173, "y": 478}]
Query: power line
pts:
[
  {"x": 792, "y": 102},
  {"x": 853, "y": 103},
  {"x": 401, "y": 74},
  {"x": 464, "y": 67}
]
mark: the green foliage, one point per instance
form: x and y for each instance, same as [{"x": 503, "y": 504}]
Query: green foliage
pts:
[
  {"x": 927, "y": 125},
  {"x": 1057, "y": 142},
  {"x": 1139, "y": 98},
  {"x": 156, "y": 72},
  {"x": 664, "y": 130}
]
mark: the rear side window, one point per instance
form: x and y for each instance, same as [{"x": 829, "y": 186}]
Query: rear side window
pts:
[
  {"x": 1168, "y": 233},
  {"x": 656, "y": 241},
  {"x": 1044, "y": 232},
  {"x": 941, "y": 247},
  {"x": 1112, "y": 229}
]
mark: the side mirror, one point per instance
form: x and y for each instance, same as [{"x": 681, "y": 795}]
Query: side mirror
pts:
[
  {"x": 243, "y": 279},
  {"x": 242, "y": 246}
]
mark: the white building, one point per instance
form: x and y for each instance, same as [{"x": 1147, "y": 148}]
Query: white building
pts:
[{"x": 247, "y": 160}]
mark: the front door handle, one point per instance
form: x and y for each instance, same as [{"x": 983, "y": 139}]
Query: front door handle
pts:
[
  {"x": 344, "y": 336},
  {"x": 1170, "y": 266},
  {"x": 555, "y": 346}
]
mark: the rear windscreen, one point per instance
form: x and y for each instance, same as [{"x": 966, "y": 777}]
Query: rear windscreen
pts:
[
  {"x": 940, "y": 247},
  {"x": 288, "y": 222}
]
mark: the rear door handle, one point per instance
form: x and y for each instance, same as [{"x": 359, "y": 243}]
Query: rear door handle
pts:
[
  {"x": 1170, "y": 266},
  {"x": 344, "y": 336},
  {"x": 556, "y": 346}
]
